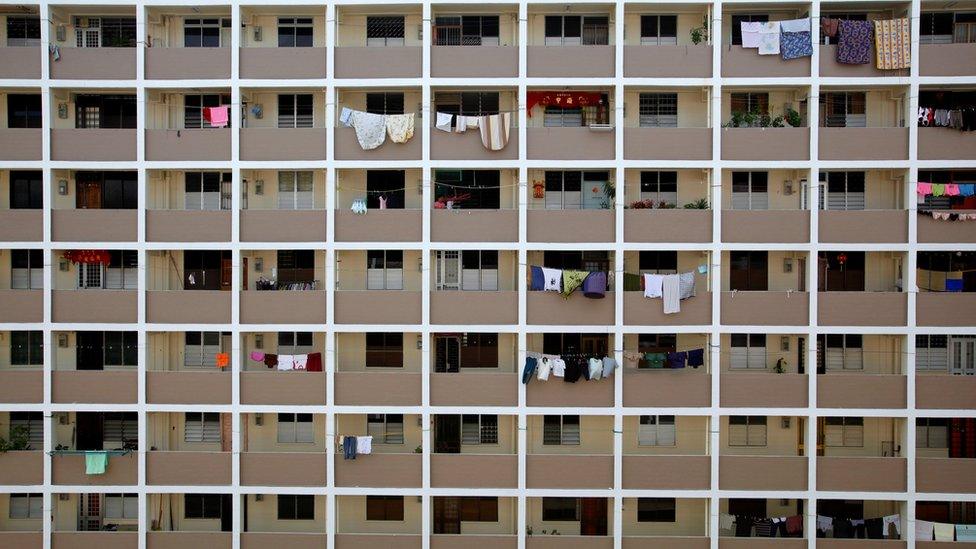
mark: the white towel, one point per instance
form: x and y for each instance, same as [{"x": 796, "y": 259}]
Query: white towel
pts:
[
  {"x": 769, "y": 38},
  {"x": 301, "y": 362},
  {"x": 543, "y": 370},
  {"x": 286, "y": 362},
  {"x": 888, "y": 521},
  {"x": 364, "y": 445},
  {"x": 825, "y": 523},
  {"x": 795, "y": 25},
  {"x": 399, "y": 127},
  {"x": 596, "y": 369},
  {"x": 553, "y": 279},
  {"x": 652, "y": 285},
  {"x": 671, "y": 291},
  {"x": 750, "y": 34},
  {"x": 725, "y": 521},
  {"x": 924, "y": 530},
  {"x": 461, "y": 124},
  {"x": 944, "y": 532},
  {"x": 444, "y": 121},
  {"x": 609, "y": 365}
]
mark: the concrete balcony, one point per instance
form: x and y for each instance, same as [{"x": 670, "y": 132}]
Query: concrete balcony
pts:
[
  {"x": 663, "y": 388},
  {"x": 21, "y": 305},
  {"x": 765, "y": 143},
  {"x": 766, "y": 226},
  {"x": 284, "y": 540},
  {"x": 382, "y": 388},
  {"x": 176, "y": 387},
  {"x": 582, "y": 394},
  {"x": 283, "y": 468},
  {"x": 578, "y": 310},
  {"x": 188, "y": 306},
  {"x": 375, "y": 541},
  {"x": 21, "y": 387},
  {"x": 945, "y": 392},
  {"x": 379, "y": 226},
  {"x": 471, "y": 307},
  {"x": 474, "y": 225},
  {"x": 861, "y": 474},
  {"x": 550, "y": 471},
  {"x": 474, "y": 61},
  {"x": 573, "y": 61},
  {"x": 379, "y": 470},
  {"x": 763, "y": 390},
  {"x": 282, "y": 63},
  {"x": 862, "y": 308},
  {"x": 94, "y": 387},
  {"x": 95, "y": 64},
  {"x": 377, "y": 307},
  {"x": 99, "y": 306},
  {"x": 570, "y": 225},
  {"x": 181, "y": 540},
  {"x": 468, "y": 146},
  {"x": 770, "y": 543},
  {"x": 866, "y": 226},
  {"x": 947, "y": 59},
  {"x": 473, "y": 471},
  {"x": 21, "y": 467},
  {"x": 473, "y": 389},
  {"x": 466, "y": 541},
  {"x": 693, "y": 61},
  {"x": 283, "y": 307},
  {"x": 765, "y": 308},
  {"x": 188, "y": 468},
  {"x": 762, "y": 473},
  {"x": 570, "y": 542},
  {"x": 347, "y": 146},
  {"x": 187, "y": 63},
  {"x": 96, "y": 144},
  {"x": 945, "y": 475},
  {"x": 945, "y": 144},
  {"x": 378, "y": 62},
  {"x": 668, "y": 225},
  {"x": 666, "y": 542},
  {"x": 850, "y": 390},
  {"x": 283, "y": 143},
  {"x": 20, "y": 62},
  {"x": 666, "y": 472},
  {"x": 930, "y": 230},
  {"x": 188, "y": 145},
  {"x": 569, "y": 144},
  {"x": 94, "y": 225},
  {"x": 21, "y": 225},
  {"x": 188, "y": 225},
  {"x": 283, "y": 225},
  {"x": 641, "y": 311},
  {"x": 830, "y": 67},
  {"x": 668, "y": 143},
  {"x": 95, "y": 540},
  {"x": 741, "y": 62},
  {"x": 21, "y": 143},
  {"x": 70, "y": 470},
  {"x": 23, "y": 540},
  {"x": 283, "y": 388},
  {"x": 863, "y": 143}
]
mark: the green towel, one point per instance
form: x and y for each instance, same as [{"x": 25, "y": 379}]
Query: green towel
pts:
[
  {"x": 95, "y": 463},
  {"x": 938, "y": 189},
  {"x": 655, "y": 360},
  {"x": 573, "y": 280}
]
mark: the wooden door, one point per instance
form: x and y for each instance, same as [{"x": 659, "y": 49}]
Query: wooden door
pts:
[
  {"x": 447, "y": 515},
  {"x": 593, "y": 516},
  {"x": 88, "y": 195},
  {"x": 447, "y": 434},
  {"x": 447, "y": 356},
  {"x": 225, "y": 273}
]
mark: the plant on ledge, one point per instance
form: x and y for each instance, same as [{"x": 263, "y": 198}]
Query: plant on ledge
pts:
[
  {"x": 754, "y": 119},
  {"x": 698, "y": 34},
  {"x": 648, "y": 204},
  {"x": 18, "y": 441},
  {"x": 793, "y": 118},
  {"x": 700, "y": 204}
]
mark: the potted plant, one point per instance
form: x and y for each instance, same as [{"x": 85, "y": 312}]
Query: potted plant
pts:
[
  {"x": 781, "y": 366},
  {"x": 698, "y": 34},
  {"x": 700, "y": 204}
]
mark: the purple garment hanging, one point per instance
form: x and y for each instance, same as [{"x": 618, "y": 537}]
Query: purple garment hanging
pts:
[
  {"x": 595, "y": 285},
  {"x": 854, "y": 42}
]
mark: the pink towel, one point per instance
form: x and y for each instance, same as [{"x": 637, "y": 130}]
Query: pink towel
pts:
[
  {"x": 952, "y": 189},
  {"x": 216, "y": 116},
  {"x": 924, "y": 188},
  {"x": 257, "y": 356}
]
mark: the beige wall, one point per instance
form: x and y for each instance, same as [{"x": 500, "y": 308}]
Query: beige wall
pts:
[
  {"x": 565, "y": 528},
  {"x": 65, "y": 16},
  {"x": 268, "y": 99},
  {"x": 351, "y": 353},
  {"x": 691, "y": 438},
  {"x": 537, "y": 19},
  {"x": 507, "y": 270},
  {"x": 352, "y": 264},
  {"x": 779, "y": 441},
  {"x": 267, "y": 19},
  {"x": 270, "y": 269},
  {"x": 164, "y": 110},
  {"x": 693, "y": 103},
  {"x": 264, "y": 438},
  {"x": 355, "y": 425},
  {"x": 67, "y": 97},
  {"x": 351, "y": 517},
  {"x": 596, "y": 437},
  {"x": 269, "y": 199},
  {"x": 351, "y": 24},
  {"x": 692, "y": 185},
  {"x": 6, "y": 264},
  {"x": 779, "y": 99},
  {"x": 778, "y": 200},
  {"x": 166, "y": 432},
  {"x": 166, "y": 26},
  {"x": 248, "y": 344},
  {"x": 3, "y": 101},
  {"x": 351, "y": 185},
  {"x": 8, "y": 524},
  {"x": 262, "y": 516},
  {"x": 166, "y": 350},
  {"x": 167, "y": 512},
  {"x": 161, "y": 274},
  {"x": 689, "y": 17},
  {"x": 507, "y": 355},
  {"x": 876, "y": 431},
  {"x": 690, "y": 519},
  {"x": 778, "y": 281}
]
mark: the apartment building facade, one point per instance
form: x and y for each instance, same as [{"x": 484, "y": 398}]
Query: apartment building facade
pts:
[{"x": 163, "y": 269}]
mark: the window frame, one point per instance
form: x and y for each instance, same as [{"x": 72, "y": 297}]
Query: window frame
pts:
[
  {"x": 656, "y": 509},
  {"x": 485, "y": 426},
  {"x": 296, "y": 110},
  {"x": 377, "y": 264},
  {"x": 657, "y": 109},
  {"x": 926, "y": 433},
  {"x": 756, "y": 431},
  {"x": 33, "y": 342},
  {"x": 30, "y": 277},
  {"x": 755, "y": 196},
  {"x": 198, "y": 190},
  {"x": 207, "y": 352},
  {"x": 657, "y": 37},
  {"x": 295, "y": 506},
  {"x": 201, "y": 25},
  {"x": 193, "y": 105},
  {"x": 300, "y": 425},
  {"x": 849, "y": 358},
  {"x": 935, "y": 357},
  {"x": 654, "y": 427},
  {"x": 33, "y": 506},
  {"x": 385, "y": 508},
  {"x": 755, "y": 348},
  {"x": 560, "y": 509},
  {"x": 289, "y": 27},
  {"x": 26, "y": 189},
  {"x": 206, "y": 503},
  {"x": 206, "y": 427},
  {"x": 33, "y": 422},
  {"x": 566, "y": 437},
  {"x": 385, "y": 350},
  {"x": 388, "y": 30},
  {"x": 128, "y": 506},
  {"x": 851, "y": 431},
  {"x": 382, "y": 428}
]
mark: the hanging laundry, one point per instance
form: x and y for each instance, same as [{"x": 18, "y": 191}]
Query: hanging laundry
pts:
[
  {"x": 725, "y": 522},
  {"x": 893, "y": 43},
  {"x": 553, "y": 279},
  {"x": 892, "y": 521},
  {"x": 750, "y": 34},
  {"x": 495, "y": 130},
  {"x": 349, "y": 447},
  {"x": 794, "y": 45},
  {"x": 558, "y": 366},
  {"x": 595, "y": 285},
  {"x": 574, "y": 370},
  {"x": 829, "y": 26},
  {"x": 271, "y": 361},
  {"x": 530, "y": 365},
  {"x": 314, "y": 362},
  {"x": 596, "y": 369},
  {"x": 370, "y": 129},
  {"x": 764, "y": 528},
  {"x": 95, "y": 462},
  {"x": 257, "y": 356},
  {"x": 572, "y": 280},
  {"x": 382, "y": 201},
  {"x": 671, "y": 292},
  {"x": 544, "y": 369},
  {"x": 364, "y": 445},
  {"x": 951, "y": 189},
  {"x": 967, "y": 189},
  {"x": 924, "y": 530},
  {"x": 843, "y": 528},
  {"x": 222, "y": 360},
  {"x": 938, "y": 189},
  {"x": 696, "y": 358},
  {"x": 824, "y": 524},
  {"x": 443, "y": 121},
  {"x": 854, "y": 42},
  {"x": 286, "y": 363},
  {"x": 301, "y": 362},
  {"x": 345, "y": 117},
  {"x": 216, "y": 116},
  {"x": 399, "y": 127},
  {"x": 537, "y": 279},
  {"x": 653, "y": 285},
  {"x": 677, "y": 360},
  {"x": 874, "y": 528},
  {"x": 966, "y": 532},
  {"x": 609, "y": 365},
  {"x": 923, "y": 188},
  {"x": 795, "y": 25},
  {"x": 769, "y": 38},
  {"x": 655, "y": 360},
  {"x": 686, "y": 285},
  {"x": 944, "y": 532},
  {"x": 794, "y": 525},
  {"x": 359, "y": 206}
]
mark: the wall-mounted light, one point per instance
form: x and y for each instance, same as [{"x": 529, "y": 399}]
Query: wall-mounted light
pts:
[
  {"x": 63, "y": 187},
  {"x": 259, "y": 341}
]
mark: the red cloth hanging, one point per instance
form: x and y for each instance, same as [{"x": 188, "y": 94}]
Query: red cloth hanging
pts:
[
  {"x": 561, "y": 99},
  {"x": 88, "y": 256}
]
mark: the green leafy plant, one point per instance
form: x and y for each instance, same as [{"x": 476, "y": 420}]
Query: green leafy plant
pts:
[
  {"x": 793, "y": 118},
  {"x": 781, "y": 365},
  {"x": 609, "y": 194},
  {"x": 700, "y": 204},
  {"x": 18, "y": 441},
  {"x": 698, "y": 34},
  {"x": 753, "y": 119}
]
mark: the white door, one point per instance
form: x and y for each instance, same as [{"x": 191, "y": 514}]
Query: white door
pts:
[
  {"x": 963, "y": 359},
  {"x": 448, "y": 270}
]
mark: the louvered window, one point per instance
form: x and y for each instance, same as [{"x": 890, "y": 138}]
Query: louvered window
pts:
[
  {"x": 295, "y": 428},
  {"x": 846, "y": 432},
  {"x": 656, "y": 431},
  {"x": 561, "y": 430},
  {"x": 295, "y": 110},
  {"x": 201, "y": 427},
  {"x": 750, "y": 190},
  {"x": 845, "y": 190},
  {"x": 658, "y": 110},
  {"x": 932, "y": 353},
  {"x": 479, "y": 429},
  {"x": 748, "y": 352},
  {"x": 747, "y": 430}
]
